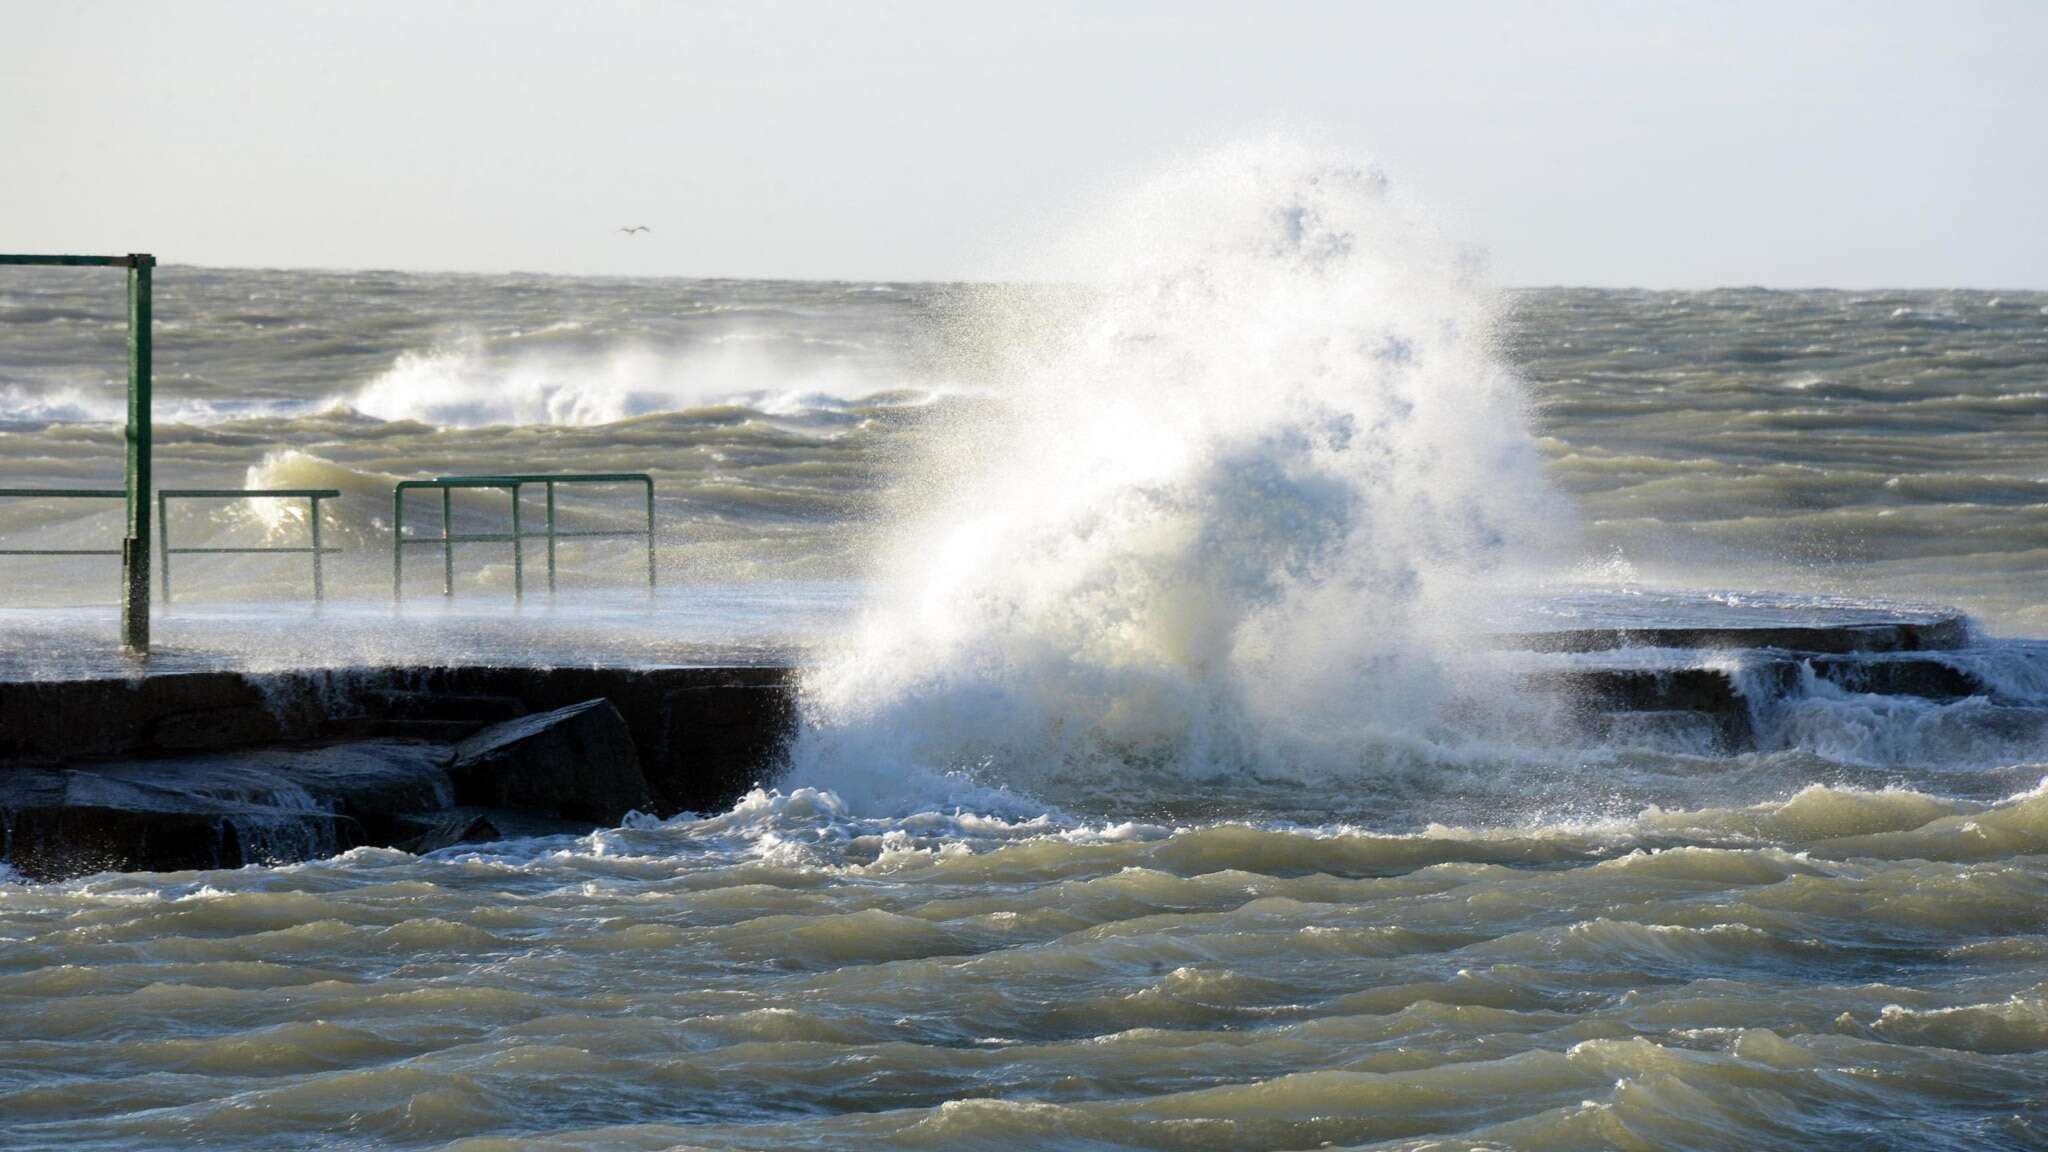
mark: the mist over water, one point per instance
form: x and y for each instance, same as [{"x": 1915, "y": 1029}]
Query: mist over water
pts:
[{"x": 1161, "y": 785}]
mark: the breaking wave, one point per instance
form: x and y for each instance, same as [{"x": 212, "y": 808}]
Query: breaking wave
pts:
[
  {"x": 356, "y": 521},
  {"x": 1249, "y": 483},
  {"x": 472, "y": 383}
]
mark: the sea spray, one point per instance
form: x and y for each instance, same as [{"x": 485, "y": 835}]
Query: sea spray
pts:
[{"x": 1256, "y": 467}]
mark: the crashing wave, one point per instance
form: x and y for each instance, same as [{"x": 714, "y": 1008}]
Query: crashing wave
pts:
[{"x": 1252, "y": 479}]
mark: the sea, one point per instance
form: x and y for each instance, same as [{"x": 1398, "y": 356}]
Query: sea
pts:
[{"x": 1161, "y": 782}]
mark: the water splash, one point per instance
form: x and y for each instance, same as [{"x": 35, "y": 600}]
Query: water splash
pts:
[{"x": 1254, "y": 472}]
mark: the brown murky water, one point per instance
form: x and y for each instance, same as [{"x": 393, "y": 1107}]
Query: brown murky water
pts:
[{"x": 1838, "y": 942}]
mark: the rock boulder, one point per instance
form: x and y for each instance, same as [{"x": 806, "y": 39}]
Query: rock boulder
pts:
[
  {"x": 219, "y": 810},
  {"x": 574, "y": 763}
]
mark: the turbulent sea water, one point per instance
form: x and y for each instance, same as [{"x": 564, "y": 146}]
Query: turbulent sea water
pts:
[{"x": 1158, "y": 787}]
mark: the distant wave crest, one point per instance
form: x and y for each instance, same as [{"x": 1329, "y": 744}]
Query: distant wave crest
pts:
[
  {"x": 60, "y": 405},
  {"x": 471, "y": 384}
]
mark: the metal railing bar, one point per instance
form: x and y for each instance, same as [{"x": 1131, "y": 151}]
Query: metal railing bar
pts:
[
  {"x": 68, "y": 493},
  {"x": 518, "y": 551},
  {"x": 69, "y": 261},
  {"x": 251, "y": 551},
  {"x": 254, "y": 493},
  {"x": 312, "y": 496},
  {"x": 448, "y": 540},
  {"x": 62, "y": 494},
  {"x": 543, "y": 477},
  {"x": 515, "y": 484},
  {"x": 459, "y": 483},
  {"x": 475, "y": 538},
  {"x": 506, "y": 537}
]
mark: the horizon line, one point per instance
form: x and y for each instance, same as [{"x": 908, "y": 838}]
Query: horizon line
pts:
[{"x": 1550, "y": 286}]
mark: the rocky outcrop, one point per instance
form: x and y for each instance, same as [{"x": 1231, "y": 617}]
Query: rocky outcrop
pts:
[
  {"x": 574, "y": 763},
  {"x": 437, "y": 830},
  {"x": 562, "y": 771},
  {"x": 566, "y": 770},
  {"x": 1595, "y": 696},
  {"x": 153, "y": 714},
  {"x": 219, "y": 810},
  {"x": 1933, "y": 634},
  {"x": 702, "y": 735},
  {"x": 1725, "y": 700},
  {"x": 717, "y": 741},
  {"x": 219, "y": 769}
]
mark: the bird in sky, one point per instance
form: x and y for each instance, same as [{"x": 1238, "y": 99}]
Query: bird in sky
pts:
[{"x": 636, "y": 228}]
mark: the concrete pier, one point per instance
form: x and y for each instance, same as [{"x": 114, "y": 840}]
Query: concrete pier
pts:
[
  {"x": 220, "y": 768},
  {"x": 203, "y": 768}
]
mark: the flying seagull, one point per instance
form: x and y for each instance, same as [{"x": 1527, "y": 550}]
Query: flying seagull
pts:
[{"x": 636, "y": 228}]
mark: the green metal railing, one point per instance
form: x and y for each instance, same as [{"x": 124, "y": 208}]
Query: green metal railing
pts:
[
  {"x": 517, "y": 537},
  {"x": 163, "y": 525},
  {"x": 313, "y": 497},
  {"x": 63, "y": 494},
  {"x": 134, "y": 552}
]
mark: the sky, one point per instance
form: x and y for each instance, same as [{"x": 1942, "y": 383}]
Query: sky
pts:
[{"x": 1649, "y": 144}]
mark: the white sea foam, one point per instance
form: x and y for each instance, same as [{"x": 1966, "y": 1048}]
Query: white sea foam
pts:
[
  {"x": 2001, "y": 723},
  {"x": 1255, "y": 476},
  {"x": 104, "y": 403},
  {"x": 469, "y": 383},
  {"x": 65, "y": 404}
]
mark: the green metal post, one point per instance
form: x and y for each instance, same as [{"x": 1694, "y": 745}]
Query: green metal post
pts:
[
  {"x": 447, "y": 542},
  {"x": 551, "y": 537},
  {"x": 397, "y": 544},
  {"x": 163, "y": 544},
  {"x": 135, "y": 548},
  {"x": 319, "y": 588},
  {"x": 518, "y": 551}
]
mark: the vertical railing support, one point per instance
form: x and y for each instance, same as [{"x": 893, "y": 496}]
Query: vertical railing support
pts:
[
  {"x": 518, "y": 550},
  {"x": 163, "y": 543},
  {"x": 551, "y": 537},
  {"x": 447, "y": 542},
  {"x": 649, "y": 480},
  {"x": 398, "y": 539},
  {"x": 135, "y": 548},
  {"x": 312, "y": 496},
  {"x": 514, "y": 485},
  {"x": 319, "y": 578}
]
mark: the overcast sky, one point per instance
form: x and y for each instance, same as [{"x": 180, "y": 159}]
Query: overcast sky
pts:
[{"x": 1658, "y": 144}]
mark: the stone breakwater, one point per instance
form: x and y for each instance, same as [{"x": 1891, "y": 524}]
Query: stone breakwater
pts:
[{"x": 221, "y": 769}]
